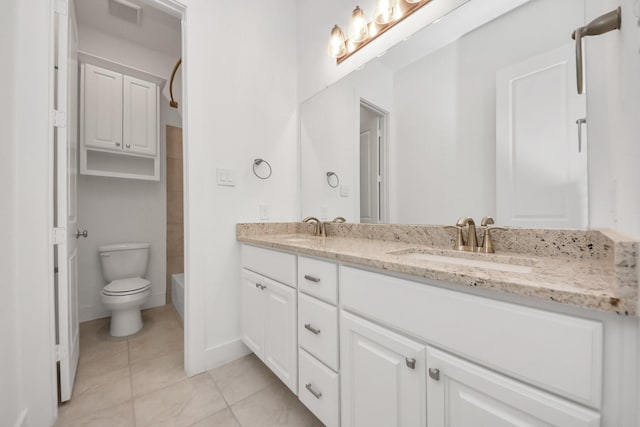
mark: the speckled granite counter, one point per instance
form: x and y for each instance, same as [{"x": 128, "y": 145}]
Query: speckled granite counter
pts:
[{"x": 594, "y": 269}]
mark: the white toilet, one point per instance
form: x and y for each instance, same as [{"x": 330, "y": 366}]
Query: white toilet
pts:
[{"x": 123, "y": 266}]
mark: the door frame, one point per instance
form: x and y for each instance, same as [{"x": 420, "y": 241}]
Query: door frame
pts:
[
  {"x": 194, "y": 332},
  {"x": 383, "y": 158}
]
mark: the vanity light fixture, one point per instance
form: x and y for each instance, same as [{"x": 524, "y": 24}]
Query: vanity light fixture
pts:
[{"x": 388, "y": 13}]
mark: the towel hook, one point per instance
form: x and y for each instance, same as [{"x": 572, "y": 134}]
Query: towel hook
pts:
[{"x": 258, "y": 162}]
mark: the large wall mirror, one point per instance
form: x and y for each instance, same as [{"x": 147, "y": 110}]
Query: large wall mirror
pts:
[{"x": 477, "y": 114}]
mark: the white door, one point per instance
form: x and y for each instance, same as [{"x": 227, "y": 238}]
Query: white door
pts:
[
  {"x": 66, "y": 138},
  {"x": 102, "y": 108},
  {"x": 369, "y": 166},
  {"x": 253, "y": 301},
  {"x": 541, "y": 174},
  {"x": 383, "y": 376},
  {"x": 462, "y": 394},
  {"x": 281, "y": 339},
  {"x": 140, "y": 116}
]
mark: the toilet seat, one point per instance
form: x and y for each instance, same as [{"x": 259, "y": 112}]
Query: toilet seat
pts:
[{"x": 130, "y": 286}]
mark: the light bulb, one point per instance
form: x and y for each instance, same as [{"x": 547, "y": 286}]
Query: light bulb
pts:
[
  {"x": 413, "y": 1},
  {"x": 358, "y": 28},
  {"x": 385, "y": 12},
  {"x": 337, "y": 47}
]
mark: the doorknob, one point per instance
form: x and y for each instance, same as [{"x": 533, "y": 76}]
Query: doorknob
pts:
[{"x": 83, "y": 233}]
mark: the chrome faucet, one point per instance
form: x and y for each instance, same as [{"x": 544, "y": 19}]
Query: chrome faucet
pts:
[{"x": 318, "y": 229}]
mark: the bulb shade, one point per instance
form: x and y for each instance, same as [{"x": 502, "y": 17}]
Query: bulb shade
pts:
[
  {"x": 358, "y": 28},
  {"x": 385, "y": 12},
  {"x": 337, "y": 46}
]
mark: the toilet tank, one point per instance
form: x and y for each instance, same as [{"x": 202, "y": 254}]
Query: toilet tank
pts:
[{"x": 124, "y": 260}]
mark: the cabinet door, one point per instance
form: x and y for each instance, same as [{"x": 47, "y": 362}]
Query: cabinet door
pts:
[
  {"x": 102, "y": 108},
  {"x": 462, "y": 394},
  {"x": 253, "y": 300},
  {"x": 140, "y": 116},
  {"x": 281, "y": 340},
  {"x": 383, "y": 376}
]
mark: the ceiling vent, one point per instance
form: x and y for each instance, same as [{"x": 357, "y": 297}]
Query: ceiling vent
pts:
[{"x": 125, "y": 10}]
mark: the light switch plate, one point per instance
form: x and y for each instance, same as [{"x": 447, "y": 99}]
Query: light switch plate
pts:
[
  {"x": 344, "y": 191},
  {"x": 264, "y": 212},
  {"x": 225, "y": 177},
  {"x": 323, "y": 213}
]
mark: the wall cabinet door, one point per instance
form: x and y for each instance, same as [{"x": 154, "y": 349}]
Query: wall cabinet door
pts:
[
  {"x": 281, "y": 339},
  {"x": 462, "y": 394},
  {"x": 383, "y": 376},
  {"x": 140, "y": 116},
  {"x": 102, "y": 108},
  {"x": 253, "y": 304}
]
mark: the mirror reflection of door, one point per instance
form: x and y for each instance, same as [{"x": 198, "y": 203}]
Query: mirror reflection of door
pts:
[{"x": 371, "y": 161}]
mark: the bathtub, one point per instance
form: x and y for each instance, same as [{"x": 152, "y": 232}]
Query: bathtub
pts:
[{"x": 177, "y": 293}]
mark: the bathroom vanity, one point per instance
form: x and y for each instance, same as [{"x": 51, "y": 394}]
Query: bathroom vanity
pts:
[{"x": 385, "y": 325}]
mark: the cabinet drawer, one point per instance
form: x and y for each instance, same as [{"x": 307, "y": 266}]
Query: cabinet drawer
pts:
[
  {"x": 319, "y": 389},
  {"x": 318, "y": 329},
  {"x": 273, "y": 264},
  {"x": 318, "y": 278},
  {"x": 556, "y": 352}
]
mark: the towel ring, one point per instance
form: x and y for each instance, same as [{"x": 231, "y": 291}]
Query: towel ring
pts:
[
  {"x": 258, "y": 162},
  {"x": 335, "y": 181}
]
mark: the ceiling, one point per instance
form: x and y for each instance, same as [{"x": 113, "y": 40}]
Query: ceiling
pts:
[{"x": 157, "y": 30}]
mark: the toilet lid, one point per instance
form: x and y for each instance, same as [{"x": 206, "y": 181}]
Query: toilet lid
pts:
[{"x": 126, "y": 286}]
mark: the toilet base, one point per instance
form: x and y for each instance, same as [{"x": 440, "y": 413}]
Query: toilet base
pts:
[{"x": 126, "y": 322}]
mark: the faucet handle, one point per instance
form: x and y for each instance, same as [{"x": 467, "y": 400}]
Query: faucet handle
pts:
[
  {"x": 486, "y": 221},
  {"x": 487, "y": 241},
  {"x": 459, "y": 237}
]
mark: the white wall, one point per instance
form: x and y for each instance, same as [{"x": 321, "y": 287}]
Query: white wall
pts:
[
  {"x": 116, "y": 210},
  {"x": 240, "y": 104},
  {"x": 10, "y": 391}
]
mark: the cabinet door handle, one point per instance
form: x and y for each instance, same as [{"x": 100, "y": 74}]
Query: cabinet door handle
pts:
[
  {"x": 434, "y": 373},
  {"x": 117, "y": 144},
  {"x": 312, "y": 278},
  {"x": 411, "y": 362},
  {"x": 316, "y": 394},
  {"x": 260, "y": 286},
  {"x": 310, "y": 328}
]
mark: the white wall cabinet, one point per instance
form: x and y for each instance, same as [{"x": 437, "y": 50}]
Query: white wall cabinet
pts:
[
  {"x": 268, "y": 324},
  {"x": 383, "y": 376},
  {"x": 119, "y": 125},
  {"x": 462, "y": 394}
]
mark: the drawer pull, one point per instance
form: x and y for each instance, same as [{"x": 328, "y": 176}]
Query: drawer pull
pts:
[
  {"x": 411, "y": 362},
  {"x": 313, "y": 330},
  {"x": 316, "y": 394},
  {"x": 434, "y": 373},
  {"x": 261, "y": 287},
  {"x": 312, "y": 278}
]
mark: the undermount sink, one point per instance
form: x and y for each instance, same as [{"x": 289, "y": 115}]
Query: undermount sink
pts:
[{"x": 466, "y": 259}]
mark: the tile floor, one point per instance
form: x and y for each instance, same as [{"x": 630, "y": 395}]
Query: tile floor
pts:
[{"x": 140, "y": 381}]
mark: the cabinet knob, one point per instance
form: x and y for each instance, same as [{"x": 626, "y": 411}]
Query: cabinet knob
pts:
[
  {"x": 117, "y": 144},
  {"x": 411, "y": 362},
  {"x": 260, "y": 286},
  {"x": 434, "y": 373},
  {"x": 81, "y": 233},
  {"x": 128, "y": 145}
]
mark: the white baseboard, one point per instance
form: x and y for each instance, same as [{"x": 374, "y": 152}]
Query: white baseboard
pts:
[
  {"x": 92, "y": 312},
  {"x": 22, "y": 419},
  {"x": 225, "y": 353}
]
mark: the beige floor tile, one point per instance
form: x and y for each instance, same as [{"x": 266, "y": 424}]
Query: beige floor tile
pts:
[
  {"x": 159, "y": 315},
  {"x": 94, "y": 391},
  {"x": 156, "y": 373},
  {"x": 116, "y": 416},
  {"x": 222, "y": 418},
  {"x": 274, "y": 406},
  {"x": 241, "y": 378},
  {"x": 180, "y": 404},
  {"x": 156, "y": 341}
]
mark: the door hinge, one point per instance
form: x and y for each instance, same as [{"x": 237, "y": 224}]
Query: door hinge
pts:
[
  {"x": 379, "y": 178},
  {"x": 59, "y": 235},
  {"x": 61, "y": 7},
  {"x": 59, "y": 119},
  {"x": 62, "y": 352}
]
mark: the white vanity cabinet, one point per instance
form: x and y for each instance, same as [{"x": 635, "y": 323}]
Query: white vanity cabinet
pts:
[
  {"x": 119, "y": 124},
  {"x": 461, "y": 394},
  {"x": 383, "y": 376},
  {"x": 268, "y": 315}
]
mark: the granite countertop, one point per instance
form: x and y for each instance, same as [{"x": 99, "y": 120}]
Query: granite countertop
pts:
[{"x": 598, "y": 271}]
